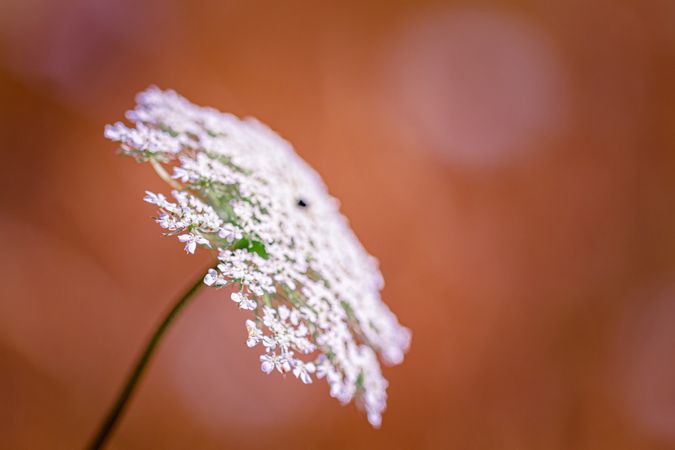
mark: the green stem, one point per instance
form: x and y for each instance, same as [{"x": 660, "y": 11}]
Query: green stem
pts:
[{"x": 117, "y": 409}]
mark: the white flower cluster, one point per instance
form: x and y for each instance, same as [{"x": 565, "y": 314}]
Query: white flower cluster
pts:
[{"x": 280, "y": 241}]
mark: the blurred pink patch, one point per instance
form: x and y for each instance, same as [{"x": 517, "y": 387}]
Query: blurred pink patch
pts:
[
  {"x": 645, "y": 362},
  {"x": 80, "y": 47},
  {"x": 477, "y": 87}
]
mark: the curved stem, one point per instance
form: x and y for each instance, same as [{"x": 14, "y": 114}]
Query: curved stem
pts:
[
  {"x": 164, "y": 175},
  {"x": 117, "y": 409}
]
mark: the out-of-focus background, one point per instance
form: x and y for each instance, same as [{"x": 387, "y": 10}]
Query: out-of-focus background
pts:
[{"x": 510, "y": 163}]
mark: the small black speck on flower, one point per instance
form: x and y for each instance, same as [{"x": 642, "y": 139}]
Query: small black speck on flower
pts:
[{"x": 302, "y": 203}]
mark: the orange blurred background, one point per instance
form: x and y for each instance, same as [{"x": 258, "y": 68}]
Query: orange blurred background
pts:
[{"x": 510, "y": 163}]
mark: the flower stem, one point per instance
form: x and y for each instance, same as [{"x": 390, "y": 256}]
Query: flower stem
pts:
[
  {"x": 117, "y": 409},
  {"x": 164, "y": 175}
]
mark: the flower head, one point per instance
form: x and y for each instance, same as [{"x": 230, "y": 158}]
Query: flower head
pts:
[{"x": 313, "y": 290}]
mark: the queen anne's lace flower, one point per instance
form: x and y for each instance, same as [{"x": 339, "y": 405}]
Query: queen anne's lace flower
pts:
[{"x": 279, "y": 237}]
